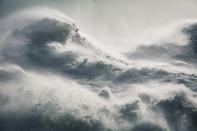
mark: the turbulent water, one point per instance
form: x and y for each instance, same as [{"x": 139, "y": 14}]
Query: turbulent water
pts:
[{"x": 55, "y": 78}]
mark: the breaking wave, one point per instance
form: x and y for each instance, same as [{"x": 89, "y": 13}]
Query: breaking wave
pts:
[
  {"x": 167, "y": 51},
  {"x": 53, "y": 77}
]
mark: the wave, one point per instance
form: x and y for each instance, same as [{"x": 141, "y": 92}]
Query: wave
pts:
[
  {"x": 53, "y": 45},
  {"x": 53, "y": 77},
  {"x": 49, "y": 43},
  {"x": 167, "y": 51},
  {"x": 53, "y": 103}
]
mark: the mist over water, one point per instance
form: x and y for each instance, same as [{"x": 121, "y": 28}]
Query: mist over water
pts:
[{"x": 55, "y": 76}]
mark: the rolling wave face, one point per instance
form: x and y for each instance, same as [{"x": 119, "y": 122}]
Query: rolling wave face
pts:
[{"x": 52, "y": 78}]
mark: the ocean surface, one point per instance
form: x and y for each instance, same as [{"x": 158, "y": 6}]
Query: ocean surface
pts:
[{"x": 54, "y": 77}]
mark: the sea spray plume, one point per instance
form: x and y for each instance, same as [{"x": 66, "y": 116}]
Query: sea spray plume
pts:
[
  {"x": 47, "y": 106},
  {"x": 192, "y": 33},
  {"x": 53, "y": 43},
  {"x": 51, "y": 103},
  {"x": 165, "y": 51}
]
